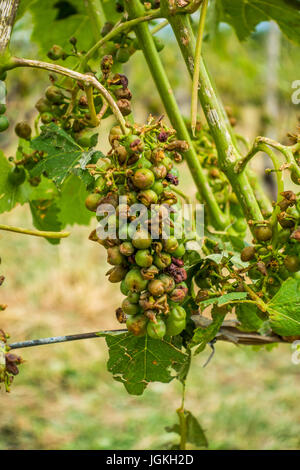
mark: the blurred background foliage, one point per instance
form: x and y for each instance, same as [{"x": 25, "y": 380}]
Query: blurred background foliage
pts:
[{"x": 64, "y": 398}]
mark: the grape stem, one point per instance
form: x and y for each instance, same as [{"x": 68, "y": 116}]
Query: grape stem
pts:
[
  {"x": 87, "y": 79},
  {"x": 35, "y": 233},
  {"x": 228, "y": 153},
  {"x": 260, "y": 143}
]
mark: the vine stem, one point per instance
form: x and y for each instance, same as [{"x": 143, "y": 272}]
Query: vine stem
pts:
[
  {"x": 96, "y": 15},
  {"x": 87, "y": 79},
  {"x": 8, "y": 13},
  {"x": 164, "y": 88},
  {"x": 35, "y": 233},
  {"x": 228, "y": 153},
  {"x": 197, "y": 59}
]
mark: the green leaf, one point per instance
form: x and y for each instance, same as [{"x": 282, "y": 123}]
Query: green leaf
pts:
[
  {"x": 190, "y": 427},
  {"x": 10, "y": 194},
  {"x": 45, "y": 216},
  {"x": 203, "y": 335},
  {"x": 55, "y": 22},
  {"x": 245, "y": 15},
  {"x": 71, "y": 203},
  {"x": 62, "y": 153},
  {"x": 23, "y": 7},
  {"x": 247, "y": 316},
  {"x": 138, "y": 361},
  {"x": 217, "y": 257},
  {"x": 284, "y": 309}
]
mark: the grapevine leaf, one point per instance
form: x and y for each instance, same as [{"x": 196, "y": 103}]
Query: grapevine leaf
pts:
[
  {"x": 284, "y": 309},
  {"x": 247, "y": 316},
  {"x": 217, "y": 257},
  {"x": 72, "y": 207},
  {"x": 245, "y": 15},
  {"x": 189, "y": 425},
  {"x": 62, "y": 153},
  {"x": 10, "y": 194},
  {"x": 203, "y": 335},
  {"x": 45, "y": 216},
  {"x": 138, "y": 361},
  {"x": 56, "y": 21}
]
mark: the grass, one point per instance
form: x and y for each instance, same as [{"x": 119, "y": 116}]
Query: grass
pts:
[{"x": 64, "y": 398}]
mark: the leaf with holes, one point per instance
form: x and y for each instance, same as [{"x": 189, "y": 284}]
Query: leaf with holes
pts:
[
  {"x": 136, "y": 362},
  {"x": 62, "y": 153}
]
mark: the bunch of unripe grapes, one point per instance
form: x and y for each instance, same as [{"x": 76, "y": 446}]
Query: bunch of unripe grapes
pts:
[{"x": 140, "y": 167}]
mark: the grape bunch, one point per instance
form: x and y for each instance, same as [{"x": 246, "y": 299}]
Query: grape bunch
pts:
[{"x": 140, "y": 168}]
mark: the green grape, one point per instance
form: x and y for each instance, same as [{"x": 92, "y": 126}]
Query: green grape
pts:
[
  {"x": 4, "y": 123},
  {"x": 143, "y": 258},
  {"x": 17, "y": 176},
  {"x": 156, "y": 330}
]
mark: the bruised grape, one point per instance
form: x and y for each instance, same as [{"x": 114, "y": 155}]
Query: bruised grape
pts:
[
  {"x": 137, "y": 324},
  {"x": 159, "y": 171},
  {"x": 292, "y": 263},
  {"x": 156, "y": 287},
  {"x": 134, "y": 281},
  {"x": 124, "y": 106},
  {"x": 162, "y": 260},
  {"x": 23, "y": 130},
  {"x": 47, "y": 117},
  {"x": 294, "y": 177},
  {"x": 248, "y": 253},
  {"x": 143, "y": 178},
  {"x": 263, "y": 233},
  {"x": 168, "y": 282},
  {"x": 117, "y": 274},
  {"x": 56, "y": 52},
  {"x": 92, "y": 201},
  {"x": 114, "y": 256},
  {"x": 115, "y": 134},
  {"x": 170, "y": 245},
  {"x": 126, "y": 248},
  {"x": 148, "y": 197},
  {"x": 54, "y": 95}
]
